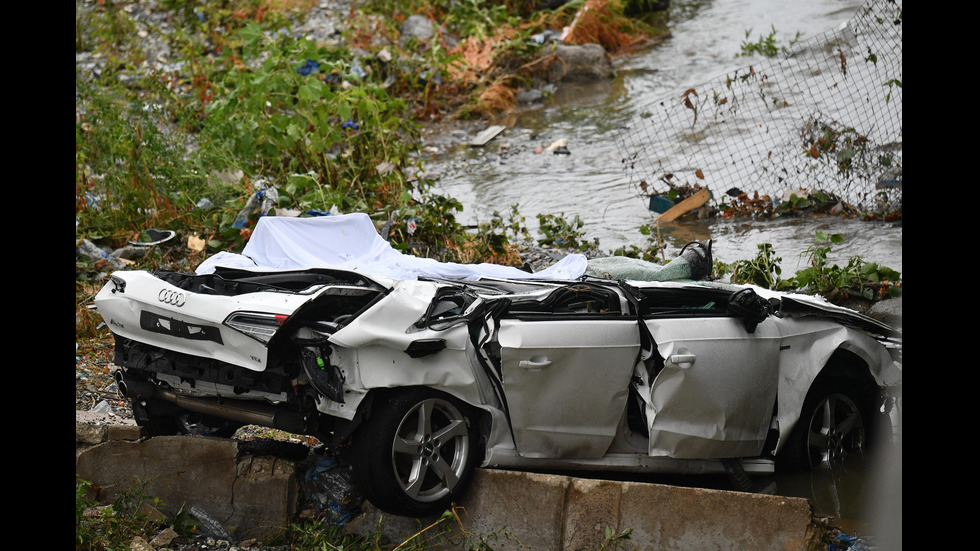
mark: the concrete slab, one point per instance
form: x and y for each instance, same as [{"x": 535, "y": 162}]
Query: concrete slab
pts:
[
  {"x": 528, "y": 511},
  {"x": 515, "y": 510},
  {"x": 505, "y": 510},
  {"x": 250, "y": 496},
  {"x": 668, "y": 518}
]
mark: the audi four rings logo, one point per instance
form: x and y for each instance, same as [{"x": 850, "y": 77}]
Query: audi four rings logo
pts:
[{"x": 168, "y": 296}]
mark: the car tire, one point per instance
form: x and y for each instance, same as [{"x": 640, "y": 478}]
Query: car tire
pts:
[
  {"x": 834, "y": 425},
  {"x": 416, "y": 452}
]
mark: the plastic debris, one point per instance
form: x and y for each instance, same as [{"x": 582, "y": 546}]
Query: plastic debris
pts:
[
  {"x": 357, "y": 70},
  {"x": 557, "y": 144},
  {"x": 559, "y": 147},
  {"x": 91, "y": 250},
  {"x": 209, "y": 525},
  {"x": 309, "y": 67},
  {"x": 334, "y": 211},
  {"x": 117, "y": 259},
  {"x": 331, "y": 489},
  {"x": 411, "y": 225},
  {"x": 424, "y": 78},
  {"x": 660, "y": 203},
  {"x": 846, "y": 542},
  {"x": 692, "y": 203},
  {"x": 102, "y": 407},
  {"x": 152, "y": 236},
  {"x": 262, "y": 200},
  {"x": 547, "y": 36},
  {"x": 350, "y": 124},
  {"x": 486, "y": 135},
  {"x": 196, "y": 243}
]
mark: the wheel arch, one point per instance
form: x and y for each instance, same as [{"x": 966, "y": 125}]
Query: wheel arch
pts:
[
  {"x": 847, "y": 366},
  {"x": 844, "y": 369}
]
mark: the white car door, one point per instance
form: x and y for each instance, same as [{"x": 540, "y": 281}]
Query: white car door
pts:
[
  {"x": 715, "y": 393},
  {"x": 566, "y": 376}
]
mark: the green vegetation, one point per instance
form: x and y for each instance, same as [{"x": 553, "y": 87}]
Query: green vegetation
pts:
[
  {"x": 766, "y": 46},
  {"x": 112, "y": 527},
  {"x": 254, "y": 109},
  {"x": 858, "y": 279},
  {"x": 560, "y": 232},
  {"x": 654, "y": 251}
]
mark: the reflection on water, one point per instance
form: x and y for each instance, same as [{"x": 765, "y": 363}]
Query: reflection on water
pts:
[
  {"x": 840, "y": 493},
  {"x": 864, "y": 495}
]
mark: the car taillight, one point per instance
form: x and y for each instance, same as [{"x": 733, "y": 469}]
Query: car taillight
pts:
[{"x": 259, "y": 326}]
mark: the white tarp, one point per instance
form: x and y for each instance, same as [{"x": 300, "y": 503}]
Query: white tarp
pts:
[{"x": 351, "y": 242}]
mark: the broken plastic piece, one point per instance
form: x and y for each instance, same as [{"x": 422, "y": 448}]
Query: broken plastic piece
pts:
[
  {"x": 208, "y": 524},
  {"x": 331, "y": 488},
  {"x": 488, "y": 134},
  {"x": 548, "y": 35},
  {"x": 309, "y": 67},
  {"x": 262, "y": 200},
  {"x": 685, "y": 206},
  {"x": 155, "y": 237},
  {"x": 660, "y": 203}
]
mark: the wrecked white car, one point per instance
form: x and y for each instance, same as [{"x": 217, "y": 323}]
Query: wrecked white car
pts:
[{"x": 420, "y": 371}]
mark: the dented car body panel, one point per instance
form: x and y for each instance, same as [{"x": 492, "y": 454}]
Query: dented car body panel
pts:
[
  {"x": 714, "y": 395},
  {"x": 590, "y": 373}
]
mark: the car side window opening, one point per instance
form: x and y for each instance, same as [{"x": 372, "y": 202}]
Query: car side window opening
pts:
[
  {"x": 577, "y": 299},
  {"x": 670, "y": 302}
]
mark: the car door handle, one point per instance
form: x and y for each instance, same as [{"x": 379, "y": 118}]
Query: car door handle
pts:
[
  {"x": 682, "y": 361},
  {"x": 533, "y": 364}
]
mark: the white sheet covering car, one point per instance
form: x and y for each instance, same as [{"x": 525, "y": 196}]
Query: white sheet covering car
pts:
[{"x": 418, "y": 371}]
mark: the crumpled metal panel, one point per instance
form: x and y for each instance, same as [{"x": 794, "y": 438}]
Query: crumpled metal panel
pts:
[
  {"x": 715, "y": 395},
  {"x": 808, "y": 344},
  {"x": 377, "y": 339},
  {"x": 567, "y": 383}
]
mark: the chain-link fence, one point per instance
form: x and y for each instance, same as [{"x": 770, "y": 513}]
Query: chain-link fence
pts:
[{"x": 820, "y": 120}]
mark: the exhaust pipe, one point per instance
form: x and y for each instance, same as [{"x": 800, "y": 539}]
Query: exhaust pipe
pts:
[
  {"x": 240, "y": 411},
  {"x": 128, "y": 388}
]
